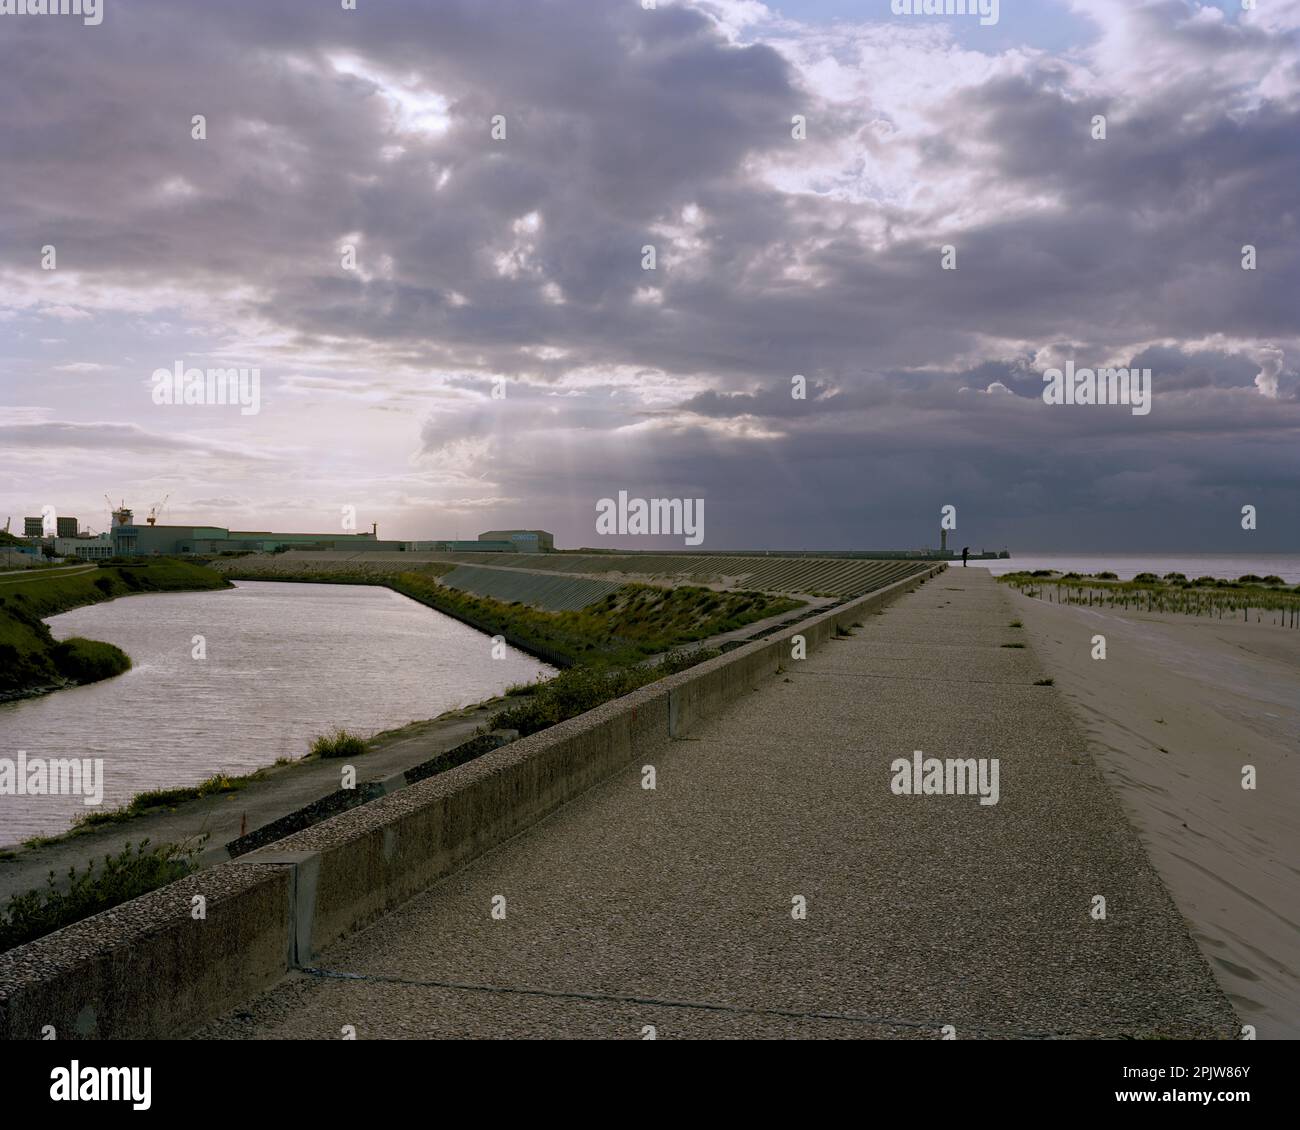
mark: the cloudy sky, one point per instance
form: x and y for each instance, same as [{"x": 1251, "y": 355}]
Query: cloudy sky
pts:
[{"x": 515, "y": 264}]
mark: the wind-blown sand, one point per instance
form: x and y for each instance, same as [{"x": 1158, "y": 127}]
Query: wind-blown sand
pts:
[{"x": 1175, "y": 710}]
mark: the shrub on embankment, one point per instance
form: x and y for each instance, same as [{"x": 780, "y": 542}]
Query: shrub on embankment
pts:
[
  {"x": 582, "y": 688},
  {"x": 339, "y": 743},
  {"x": 132, "y": 872},
  {"x": 32, "y": 660},
  {"x": 87, "y": 661}
]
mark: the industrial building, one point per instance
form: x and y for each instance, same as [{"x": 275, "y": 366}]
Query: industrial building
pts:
[
  {"x": 64, "y": 527},
  {"x": 520, "y": 541},
  {"x": 87, "y": 549},
  {"x": 126, "y": 538},
  {"x": 148, "y": 541},
  {"x": 461, "y": 547},
  {"x": 129, "y": 540}
]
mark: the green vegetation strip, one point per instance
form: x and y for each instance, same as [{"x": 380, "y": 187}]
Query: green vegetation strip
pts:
[
  {"x": 580, "y": 689},
  {"x": 133, "y": 872},
  {"x": 155, "y": 799},
  {"x": 1271, "y": 599}
]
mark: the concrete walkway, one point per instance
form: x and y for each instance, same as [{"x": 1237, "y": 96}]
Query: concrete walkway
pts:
[
  {"x": 18, "y": 576},
  {"x": 672, "y": 908}
]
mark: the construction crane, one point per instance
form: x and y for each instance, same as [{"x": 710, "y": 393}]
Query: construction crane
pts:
[{"x": 155, "y": 511}]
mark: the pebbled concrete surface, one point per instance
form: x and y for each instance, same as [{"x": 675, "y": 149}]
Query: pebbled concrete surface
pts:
[{"x": 672, "y": 907}]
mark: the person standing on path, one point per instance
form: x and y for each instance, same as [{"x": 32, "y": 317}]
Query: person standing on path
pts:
[{"x": 965, "y": 549}]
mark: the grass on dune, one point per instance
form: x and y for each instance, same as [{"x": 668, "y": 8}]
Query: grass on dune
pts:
[{"x": 1270, "y": 598}]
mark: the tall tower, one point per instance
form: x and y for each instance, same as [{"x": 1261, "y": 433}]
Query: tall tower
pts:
[{"x": 943, "y": 540}]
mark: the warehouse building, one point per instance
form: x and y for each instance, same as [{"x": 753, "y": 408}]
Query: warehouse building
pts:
[
  {"x": 130, "y": 540},
  {"x": 86, "y": 549},
  {"x": 265, "y": 541},
  {"x": 126, "y": 538},
  {"x": 521, "y": 541},
  {"x": 461, "y": 547}
]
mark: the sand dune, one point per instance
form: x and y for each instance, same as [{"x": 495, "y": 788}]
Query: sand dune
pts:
[{"x": 1175, "y": 710}]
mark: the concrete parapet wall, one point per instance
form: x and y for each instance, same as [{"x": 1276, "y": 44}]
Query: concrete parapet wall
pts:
[{"x": 149, "y": 968}]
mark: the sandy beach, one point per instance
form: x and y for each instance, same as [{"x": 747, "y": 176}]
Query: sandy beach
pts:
[{"x": 1175, "y": 710}]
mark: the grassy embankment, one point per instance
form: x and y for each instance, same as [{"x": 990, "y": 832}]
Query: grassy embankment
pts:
[
  {"x": 32, "y": 661},
  {"x": 631, "y": 623},
  {"x": 603, "y": 646},
  {"x": 1270, "y": 598}
]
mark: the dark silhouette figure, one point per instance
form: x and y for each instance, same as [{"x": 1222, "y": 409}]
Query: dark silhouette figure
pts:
[{"x": 965, "y": 550}]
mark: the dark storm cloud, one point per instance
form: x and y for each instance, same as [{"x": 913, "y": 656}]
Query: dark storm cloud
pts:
[{"x": 618, "y": 120}]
